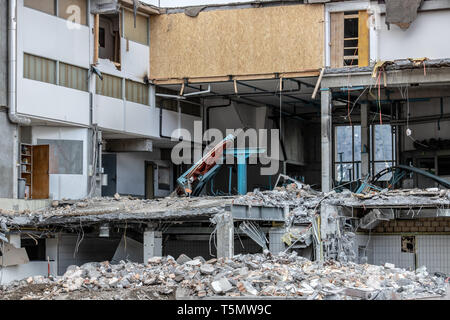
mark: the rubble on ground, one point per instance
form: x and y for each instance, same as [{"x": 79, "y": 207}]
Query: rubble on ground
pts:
[{"x": 280, "y": 275}]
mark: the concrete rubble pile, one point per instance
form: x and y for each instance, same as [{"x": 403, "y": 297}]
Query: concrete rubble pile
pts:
[{"x": 282, "y": 275}]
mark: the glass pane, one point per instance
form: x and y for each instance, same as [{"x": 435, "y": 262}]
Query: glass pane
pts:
[
  {"x": 343, "y": 143},
  {"x": 381, "y": 166},
  {"x": 357, "y": 146},
  {"x": 344, "y": 172},
  {"x": 72, "y": 77},
  {"x": 383, "y": 142}
]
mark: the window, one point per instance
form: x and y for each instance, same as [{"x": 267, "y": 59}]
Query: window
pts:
[
  {"x": 138, "y": 34},
  {"x": 47, "y": 6},
  {"x": 382, "y": 154},
  {"x": 136, "y": 92},
  {"x": 349, "y": 37},
  {"x": 109, "y": 37},
  {"x": 39, "y": 69},
  {"x": 110, "y": 86},
  {"x": 68, "y": 9},
  {"x": 73, "y": 77},
  {"x": 348, "y": 151}
]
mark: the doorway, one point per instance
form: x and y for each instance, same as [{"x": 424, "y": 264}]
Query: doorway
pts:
[
  {"x": 109, "y": 163},
  {"x": 149, "y": 180}
]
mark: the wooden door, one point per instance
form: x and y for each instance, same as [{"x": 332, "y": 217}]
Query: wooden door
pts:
[{"x": 40, "y": 181}]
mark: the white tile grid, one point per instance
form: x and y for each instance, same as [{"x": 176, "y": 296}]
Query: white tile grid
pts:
[{"x": 434, "y": 252}]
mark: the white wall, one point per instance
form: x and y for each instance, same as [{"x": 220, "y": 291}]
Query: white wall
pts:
[
  {"x": 48, "y": 36},
  {"x": 432, "y": 251},
  {"x": 424, "y": 38},
  {"x": 70, "y": 186},
  {"x": 131, "y": 172}
]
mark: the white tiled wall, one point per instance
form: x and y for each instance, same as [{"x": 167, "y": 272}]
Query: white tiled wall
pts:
[{"x": 433, "y": 251}]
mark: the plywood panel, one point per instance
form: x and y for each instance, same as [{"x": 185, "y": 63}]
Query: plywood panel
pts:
[
  {"x": 363, "y": 39},
  {"x": 237, "y": 42},
  {"x": 337, "y": 39}
]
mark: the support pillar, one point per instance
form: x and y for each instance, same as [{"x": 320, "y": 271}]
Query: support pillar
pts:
[
  {"x": 365, "y": 141},
  {"x": 225, "y": 235},
  {"x": 152, "y": 244},
  {"x": 326, "y": 140}
]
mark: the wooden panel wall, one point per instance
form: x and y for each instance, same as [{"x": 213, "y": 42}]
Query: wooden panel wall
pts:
[
  {"x": 337, "y": 39},
  {"x": 363, "y": 39},
  {"x": 237, "y": 42}
]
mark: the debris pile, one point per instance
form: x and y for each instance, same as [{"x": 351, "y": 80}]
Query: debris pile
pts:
[{"x": 282, "y": 275}]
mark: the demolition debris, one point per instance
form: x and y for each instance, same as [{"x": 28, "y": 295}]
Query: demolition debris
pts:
[{"x": 281, "y": 275}]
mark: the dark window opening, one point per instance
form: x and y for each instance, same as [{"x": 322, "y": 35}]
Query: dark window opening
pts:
[
  {"x": 101, "y": 37},
  {"x": 444, "y": 165},
  {"x": 109, "y": 38},
  {"x": 351, "y": 24},
  {"x": 408, "y": 244},
  {"x": 35, "y": 251}
]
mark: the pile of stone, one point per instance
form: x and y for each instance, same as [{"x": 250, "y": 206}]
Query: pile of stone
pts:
[
  {"x": 282, "y": 275},
  {"x": 280, "y": 197}
]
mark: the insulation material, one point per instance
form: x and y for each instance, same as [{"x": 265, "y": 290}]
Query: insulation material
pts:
[
  {"x": 251, "y": 41},
  {"x": 402, "y": 13}
]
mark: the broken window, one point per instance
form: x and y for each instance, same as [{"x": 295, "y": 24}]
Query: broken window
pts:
[
  {"x": 109, "y": 29},
  {"x": 138, "y": 33},
  {"x": 408, "y": 244},
  {"x": 39, "y": 69},
  {"x": 110, "y": 86},
  {"x": 136, "y": 92},
  {"x": 73, "y": 77},
  {"x": 349, "y": 35}
]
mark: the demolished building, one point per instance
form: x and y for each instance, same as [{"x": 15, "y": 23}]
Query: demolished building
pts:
[{"x": 345, "y": 83}]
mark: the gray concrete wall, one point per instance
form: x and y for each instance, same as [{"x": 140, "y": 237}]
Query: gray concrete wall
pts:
[
  {"x": 3, "y": 51},
  {"x": 7, "y": 133}
]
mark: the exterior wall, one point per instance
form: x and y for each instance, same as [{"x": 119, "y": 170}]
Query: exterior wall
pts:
[
  {"x": 131, "y": 173},
  {"x": 237, "y": 42},
  {"x": 7, "y": 162},
  {"x": 69, "y": 186},
  {"x": 431, "y": 250},
  {"x": 3, "y": 52},
  {"x": 425, "y": 30},
  {"x": 52, "y": 40}
]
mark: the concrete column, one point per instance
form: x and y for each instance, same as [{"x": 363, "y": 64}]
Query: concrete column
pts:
[
  {"x": 225, "y": 236},
  {"x": 365, "y": 140},
  {"x": 14, "y": 239},
  {"x": 326, "y": 139},
  {"x": 152, "y": 244}
]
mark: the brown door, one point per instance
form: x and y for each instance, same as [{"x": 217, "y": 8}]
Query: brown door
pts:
[
  {"x": 40, "y": 182},
  {"x": 149, "y": 181}
]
